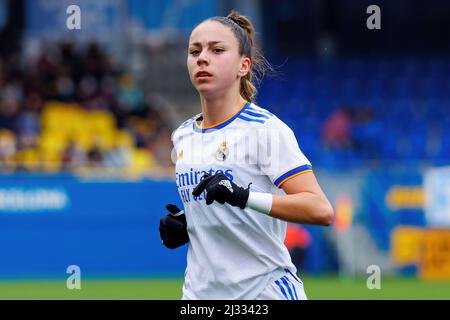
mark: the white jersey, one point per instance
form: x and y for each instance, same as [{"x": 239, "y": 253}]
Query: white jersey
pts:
[{"x": 233, "y": 252}]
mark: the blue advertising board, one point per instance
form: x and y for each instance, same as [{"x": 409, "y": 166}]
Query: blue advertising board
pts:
[{"x": 106, "y": 228}]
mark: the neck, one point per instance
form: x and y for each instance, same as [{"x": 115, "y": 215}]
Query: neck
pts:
[{"x": 218, "y": 109}]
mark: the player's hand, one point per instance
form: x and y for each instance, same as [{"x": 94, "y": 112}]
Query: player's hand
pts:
[
  {"x": 220, "y": 188},
  {"x": 172, "y": 228}
]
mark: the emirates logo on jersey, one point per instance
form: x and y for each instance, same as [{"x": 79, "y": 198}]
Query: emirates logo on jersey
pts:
[{"x": 222, "y": 152}]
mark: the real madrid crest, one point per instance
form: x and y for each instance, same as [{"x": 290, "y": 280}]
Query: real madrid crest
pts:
[{"x": 222, "y": 152}]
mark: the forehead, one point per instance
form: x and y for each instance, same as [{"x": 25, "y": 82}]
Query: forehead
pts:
[{"x": 209, "y": 31}]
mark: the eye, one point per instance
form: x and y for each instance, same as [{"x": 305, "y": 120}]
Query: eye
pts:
[
  {"x": 218, "y": 50},
  {"x": 194, "y": 52}
]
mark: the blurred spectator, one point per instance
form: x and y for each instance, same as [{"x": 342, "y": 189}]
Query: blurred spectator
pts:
[
  {"x": 72, "y": 157},
  {"x": 7, "y": 150},
  {"x": 95, "y": 156},
  {"x": 80, "y": 77},
  {"x": 28, "y": 122},
  {"x": 336, "y": 130},
  {"x": 9, "y": 106},
  {"x": 131, "y": 98},
  {"x": 118, "y": 157},
  {"x": 366, "y": 132},
  {"x": 297, "y": 241}
]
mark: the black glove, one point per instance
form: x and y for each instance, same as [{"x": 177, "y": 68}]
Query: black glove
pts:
[
  {"x": 172, "y": 228},
  {"x": 220, "y": 188}
]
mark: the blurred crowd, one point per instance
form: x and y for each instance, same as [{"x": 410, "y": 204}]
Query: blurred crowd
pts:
[
  {"x": 352, "y": 129},
  {"x": 88, "y": 80},
  {"x": 70, "y": 107},
  {"x": 359, "y": 112}
]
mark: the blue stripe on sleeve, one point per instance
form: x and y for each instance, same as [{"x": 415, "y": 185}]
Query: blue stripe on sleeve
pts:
[
  {"x": 292, "y": 172},
  {"x": 186, "y": 123},
  {"x": 250, "y": 120},
  {"x": 254, "y": 114},
  {"x": 293, "y": 275},
  {"x": 293, "y": 288},
  {"x": 281, "y": 288},
  {"x": 219, "y": 126},
  {"x": 284, "y": 279},
  {"x": 266, "y": 112}
]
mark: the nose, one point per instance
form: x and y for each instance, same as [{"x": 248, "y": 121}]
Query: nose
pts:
[{"x": 203, "y": 58}]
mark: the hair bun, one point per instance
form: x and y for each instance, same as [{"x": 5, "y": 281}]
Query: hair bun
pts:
[
  {"x": 242, "y": 21},
  {"x": 237, "y": 21}
]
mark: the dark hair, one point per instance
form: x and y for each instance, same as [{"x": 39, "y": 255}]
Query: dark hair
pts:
[{"x": 244, "y": 31}]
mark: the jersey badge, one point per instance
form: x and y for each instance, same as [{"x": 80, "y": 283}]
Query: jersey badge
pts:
[{"x": 222, "y": 151}]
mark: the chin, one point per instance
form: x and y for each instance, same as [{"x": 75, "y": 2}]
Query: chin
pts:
[{"x": 206, "y": 89}]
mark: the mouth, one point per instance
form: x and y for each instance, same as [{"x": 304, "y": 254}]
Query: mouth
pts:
[{"x": 203, "y": 75}]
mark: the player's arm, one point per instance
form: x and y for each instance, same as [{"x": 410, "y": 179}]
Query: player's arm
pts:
[{"x": 304, "y": 202}]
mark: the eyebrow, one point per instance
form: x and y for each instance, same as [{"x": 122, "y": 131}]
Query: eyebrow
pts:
[{"x": 210, "y": 43}]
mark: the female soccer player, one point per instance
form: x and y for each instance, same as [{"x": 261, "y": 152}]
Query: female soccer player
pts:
[{"x": 236, "y": 234}]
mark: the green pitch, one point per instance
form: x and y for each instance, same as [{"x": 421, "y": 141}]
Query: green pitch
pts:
[{"x": 316, "y": 288}]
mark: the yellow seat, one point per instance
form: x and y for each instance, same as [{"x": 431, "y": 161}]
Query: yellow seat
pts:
[
  {"x": 30, "y": 159},
  {"x": 124, "y": 139},
  {"x": 62, "y": 117},
  {"x": 53, "y": 141},
  {"x": 141, "y": 163},
  {"x": 65, "y": 122},
  {"x": 102, "y": 121},
  {"x": 51, "y": 160}
]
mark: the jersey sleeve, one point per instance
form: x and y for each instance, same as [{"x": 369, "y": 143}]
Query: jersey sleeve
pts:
[
  {"x": 279, "y": 154},
  {"x": 177, "y": 136}
]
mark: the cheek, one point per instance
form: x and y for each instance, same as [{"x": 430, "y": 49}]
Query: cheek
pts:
[
  {"x": 229, "y": 66},
  {"x": 231, "y": 73},
  {"x": 190, "y": 63},
  {"x": 190, "y": 66}
]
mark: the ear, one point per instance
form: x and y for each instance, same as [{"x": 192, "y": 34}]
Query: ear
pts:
[{"x": 246, "y": 64}]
